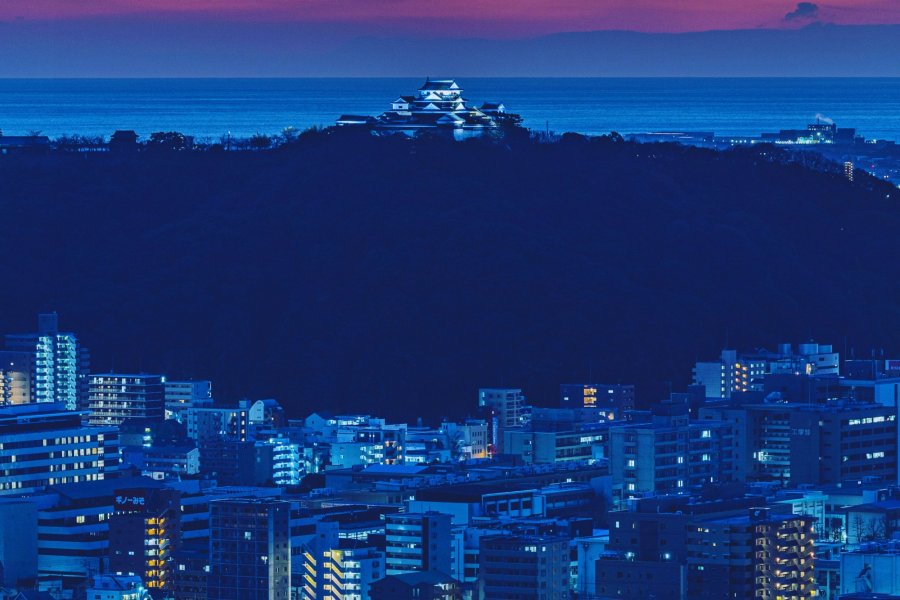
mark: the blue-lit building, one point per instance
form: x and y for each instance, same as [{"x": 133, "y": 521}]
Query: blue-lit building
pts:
[
  {"x": 58, "y": 364},
  {"x": 115, "y": 397},
  {"x": 47, "y": 444}
]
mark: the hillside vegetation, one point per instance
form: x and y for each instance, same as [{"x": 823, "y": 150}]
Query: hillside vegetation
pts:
[{"x": 355, "y": 273}]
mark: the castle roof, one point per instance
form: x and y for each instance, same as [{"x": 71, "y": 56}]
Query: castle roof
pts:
[{"x": 439, "y": 84}]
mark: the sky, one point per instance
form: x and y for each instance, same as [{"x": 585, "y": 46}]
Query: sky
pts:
[
  {"x": 485, "y": 18},
  {"x": 493, "y": 38}
]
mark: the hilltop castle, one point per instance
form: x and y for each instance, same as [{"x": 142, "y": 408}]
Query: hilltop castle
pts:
[{"x": 438, "y": 105}]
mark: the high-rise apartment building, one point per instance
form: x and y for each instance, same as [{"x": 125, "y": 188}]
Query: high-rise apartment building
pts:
[
  {"x": 144, "y": 532},
  {"x": 58, "y": 364},
  {"x": 115, "y": 397},
  {"x": 15, "y": 378},
  {"x": 759, "y": 555},
  {"x": 250, "y": 549},
  {"x": 350, "y": 571}
]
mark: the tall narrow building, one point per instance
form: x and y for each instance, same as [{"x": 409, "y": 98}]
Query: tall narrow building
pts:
[
  {"x": 58, "y": 364},
  {"x": 507, "y": 410},
  {"x": 249, "y": 549}
]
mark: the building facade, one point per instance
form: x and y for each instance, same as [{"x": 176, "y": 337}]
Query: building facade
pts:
[
  {"x": 250, "y": 549},
  {"x": 114, "y": 398}
]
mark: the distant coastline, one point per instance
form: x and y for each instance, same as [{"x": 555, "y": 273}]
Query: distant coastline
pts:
[{"x": 208, "y": 109}]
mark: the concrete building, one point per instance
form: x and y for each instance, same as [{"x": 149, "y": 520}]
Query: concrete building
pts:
[
  {"x": 114, "y": 398},
  {"x": 417, "y": 542},
  {"x": 506, "y": 409},
  {"x": 45, "y": 444},
  {"x": 669, "y": 455},
  {"x": 73, "y": 528},
  {"x": 872, "y": 569},
  {"x": 250, "y": 549},
  {"x": 183, "y": 395},
  {"x": 744, "y": 372},
  {"x": 214, "y": 422},
  {"x": 545, "y": 447},
  {"x": 729, "y": 374},
  {"x": 759, "y": 555},
  {"x": 613, "y": 400},
  {"x": 524, "y": 567},
  {"x": 116, "y": 587},
  {"x": 468, "y": 440},
  {"x": 58, "y": 364},
  {"x": 144, "y": 532},
  {"x": 15, "y": 378},
  {"x": 351, "y": 570},
  {"x": 18, "y": 540},
  {"x": 774, "y": 440}
]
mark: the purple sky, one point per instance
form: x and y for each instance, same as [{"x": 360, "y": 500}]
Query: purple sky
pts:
[{"x": 488, "y": 18}]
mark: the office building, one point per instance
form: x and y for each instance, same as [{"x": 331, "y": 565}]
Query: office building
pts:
[
  {"x": 524, "y": 567},
  {"x": 250, "y": 549},
  {"x": 417, "y": 542},
  {"x": 73, "y": 528},
  {"x": 57, "y": 364},
  {"x": 46, "y": 444},
  {"x": 114, "y": 398}
]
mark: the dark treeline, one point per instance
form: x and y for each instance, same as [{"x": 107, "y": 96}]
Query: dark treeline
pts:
[{"x": 346, "y": 272}]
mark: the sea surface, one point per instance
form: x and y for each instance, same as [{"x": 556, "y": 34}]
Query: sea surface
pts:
[{"x": 211, "y": 108}]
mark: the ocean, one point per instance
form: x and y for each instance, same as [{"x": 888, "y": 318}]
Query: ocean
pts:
[{"x": 211, "y": 108}]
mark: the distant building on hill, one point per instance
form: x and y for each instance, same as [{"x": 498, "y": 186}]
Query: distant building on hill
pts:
[{"x": 438, "y": 106}]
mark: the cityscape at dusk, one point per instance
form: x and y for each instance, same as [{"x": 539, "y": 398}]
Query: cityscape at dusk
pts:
[{"x": 405, "y": 300}]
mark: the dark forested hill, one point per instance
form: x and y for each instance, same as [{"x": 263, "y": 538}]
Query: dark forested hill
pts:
[{"x": 362, "y": 274}]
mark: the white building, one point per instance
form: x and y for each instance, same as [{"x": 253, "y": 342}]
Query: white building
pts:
[
  {"x": 438, "y": 105},
  {"x": 875, "y": 568},
  {"x": 117, "y": 587}
]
